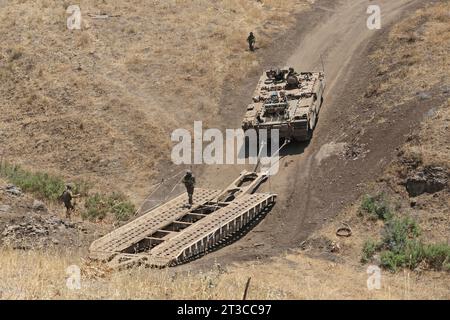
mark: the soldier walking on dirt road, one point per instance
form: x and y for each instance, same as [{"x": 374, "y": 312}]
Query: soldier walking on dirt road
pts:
[
  {"x": 251, "y": 41},
  {"x": 189, "y": 183},
  {"x": 67, "y": 197}
]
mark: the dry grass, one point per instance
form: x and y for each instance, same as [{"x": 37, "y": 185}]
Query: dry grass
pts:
[
  {"x": 100, "y": 103},
  {"x": 415, "y": 58},
  {"x": 431, "y": 145},
  {"x": 39, "y": 275}
]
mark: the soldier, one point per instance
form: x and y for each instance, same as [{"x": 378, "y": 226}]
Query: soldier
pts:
[
  {"x": 291, "y": 79},
  {"x": 251, "y": 41},
  {"x": 291, "y": 72},
  {"x": 279, "y": 75},
  {"x": 189, "y": 182},
  {"x": 67, "y": 197}
]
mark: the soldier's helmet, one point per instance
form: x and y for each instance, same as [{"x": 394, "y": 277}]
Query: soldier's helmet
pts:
[
  {"x": 69, "y": 186},
  {"x": 188, "y": 173}
]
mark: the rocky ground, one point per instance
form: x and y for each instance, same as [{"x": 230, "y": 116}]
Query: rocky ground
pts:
[{"x": 27, "y": 223}]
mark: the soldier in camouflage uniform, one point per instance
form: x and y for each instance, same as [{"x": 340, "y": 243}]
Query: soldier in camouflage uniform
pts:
[
  {"x": 291, "y": 72},
  {"x": 66, "y": 198},
  {"x": 189, "y": 183},
  {"x": 251, "y": 41}
]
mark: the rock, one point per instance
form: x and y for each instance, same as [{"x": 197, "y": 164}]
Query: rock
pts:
[
  {"x": 430, "y": 180},
  {"x": 4, "y": 208},
  {"x": 68, "y": 224},
  {"x": 82, "y": 228},
  {"x": 12, "y": 189},
  {"x": 423, "y": 95},
  {"x": 334, "y": 247},
  {"x": 10, "y": 229},
  {"x": 431, "y": 112},
  {"x": 39, "y": 206}
]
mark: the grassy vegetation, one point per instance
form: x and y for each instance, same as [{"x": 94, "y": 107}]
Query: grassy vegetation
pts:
[
  {"x": 41, "y": 184},
  {"x": 401, "y": 246},
  {"x": 438, "y": 256},
  {"x": 376, "y": 207},
  {"x": 50, "y": 187},
  {"x": 369, "y": 249},
  {"x": 99, "y": 205}
]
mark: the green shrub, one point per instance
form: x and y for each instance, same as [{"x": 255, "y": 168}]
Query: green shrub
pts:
[
  {"x": 398, "y": 232},
  {"x": 400, "y": 246},
  {"x": 121, "y": 207},
  {"x": 404, "y": 249},
  {"x": 391, "y": 260},
  {"x": 369, "y": 249},
  {"x": 96, "y": 207},
  {"x": 99, "y": 205},
  {"x": 414, "y": 253},
  {"x": 376, "y": 206},
  {"x": 50, "y": 187},
  {"x": 43, "y": 185},
  {"x": 437, "y": 256}
]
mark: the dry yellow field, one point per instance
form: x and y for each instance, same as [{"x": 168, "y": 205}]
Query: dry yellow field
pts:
[{"x": 39, "y": 275}]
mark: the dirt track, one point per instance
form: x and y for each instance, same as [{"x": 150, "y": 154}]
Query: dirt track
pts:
[{"x": 314, "y": 183}]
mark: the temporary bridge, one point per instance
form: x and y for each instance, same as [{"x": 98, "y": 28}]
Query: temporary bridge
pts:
[{"x": 173, "y": 233}]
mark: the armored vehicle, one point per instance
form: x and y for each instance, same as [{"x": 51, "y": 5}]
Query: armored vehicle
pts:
[{"x": 287, "y": 101}]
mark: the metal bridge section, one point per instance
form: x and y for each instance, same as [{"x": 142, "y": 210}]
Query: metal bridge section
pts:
[{"x": 174, "y": 233}]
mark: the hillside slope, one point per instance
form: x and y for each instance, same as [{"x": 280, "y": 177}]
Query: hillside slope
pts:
[{"x": 100, "y": 103}]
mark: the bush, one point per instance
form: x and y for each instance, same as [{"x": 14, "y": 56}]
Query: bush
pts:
[
  {"x": 369, "y": 249},
  {"x": 404, "y": 249},
  {"x": 121, "y": 207},
  {"x": 376, "y": 206},
  {"x": 99, "y": 205},
  {"x": 400, "y": 246},
  {"x": 437, "y": 256},
  {"x": 392, "y": 260},
  {"x": 409, "y": 256},
  {"x": 398, "y": 232},
  {"x": 96, "y": 208},
  {"x": 50, "y": 187},
  {"x": 41, "y": 184}
]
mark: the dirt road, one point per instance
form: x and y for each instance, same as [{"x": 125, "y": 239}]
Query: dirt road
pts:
[{"x": 315, "y": 182}]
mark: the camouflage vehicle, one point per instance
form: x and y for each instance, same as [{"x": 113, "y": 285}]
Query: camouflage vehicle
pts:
[{"x": 287, "y": 101}]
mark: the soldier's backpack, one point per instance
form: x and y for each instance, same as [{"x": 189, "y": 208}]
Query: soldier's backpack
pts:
[{"x": 65, "y": 197}]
